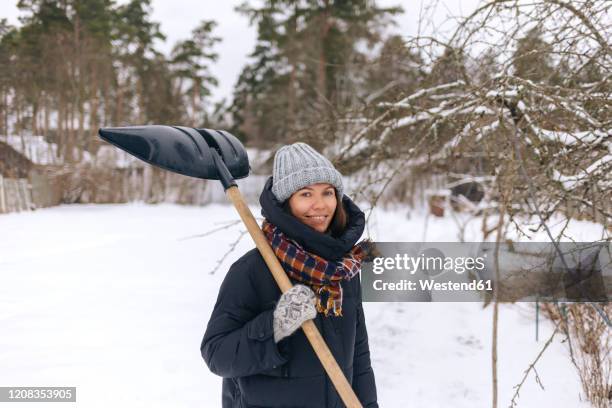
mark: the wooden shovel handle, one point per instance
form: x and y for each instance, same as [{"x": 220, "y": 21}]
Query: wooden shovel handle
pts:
[{"x": 316, "y": 341}]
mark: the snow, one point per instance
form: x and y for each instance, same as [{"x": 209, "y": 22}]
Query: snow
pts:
[
  {"x": 481, "y": 110},
  {"x": 483, "y": 130},
  {"x": 114, "y": 300},
  {"x": 405, "y": 102},
  {"x": 571, "y": 182},
  {"x": 35, "y": 148},
  {"x": 38, "y": 150},
  {"x": 109, "y": 156},
  {"x": 41, "y": 152},
  {"x": 436, "y": 112},
  {"x": 581, "y": 113},
  {"x": 570, "y": 138},
  {"x": 504, "y": 93}
]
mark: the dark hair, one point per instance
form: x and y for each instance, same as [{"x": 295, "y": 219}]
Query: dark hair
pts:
[
  {"x": 339, "y": 220},
  {"x": 338, "y": 224}
]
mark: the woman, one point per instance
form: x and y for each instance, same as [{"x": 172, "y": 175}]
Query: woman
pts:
[{"x": 252, "y": 339}]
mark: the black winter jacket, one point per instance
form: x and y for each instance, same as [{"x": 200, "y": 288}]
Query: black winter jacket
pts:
[{"x": 239, "y": 343}]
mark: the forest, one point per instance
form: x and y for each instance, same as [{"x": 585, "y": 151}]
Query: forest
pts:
[{"x": 391, "y": 111}]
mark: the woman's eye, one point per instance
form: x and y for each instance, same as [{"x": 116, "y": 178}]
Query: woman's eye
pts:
[{"x": 309, "y": 194}]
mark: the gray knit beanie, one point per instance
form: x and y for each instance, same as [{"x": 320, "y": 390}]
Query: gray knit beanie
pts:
[{"x": 299, "y": 165}]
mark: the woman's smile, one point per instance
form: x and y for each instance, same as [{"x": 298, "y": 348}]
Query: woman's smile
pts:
[{"x": 318, "y": 222}]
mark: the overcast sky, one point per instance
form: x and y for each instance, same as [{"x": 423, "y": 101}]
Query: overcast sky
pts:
[{"x": 179, "y": 17}]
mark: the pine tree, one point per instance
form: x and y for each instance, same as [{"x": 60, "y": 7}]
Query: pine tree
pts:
[
  {"x": 396, "y": 71},
  {"x": 75, "y": 65},
  {"x": 532, "y": 58},
  {"x": 305, "y": 67},
  {"x": 449, "y": 67},
  {"x": 8, "y": 36},
  {"x": 190, "y": 62},
  {"x": 135, "y": 34}
]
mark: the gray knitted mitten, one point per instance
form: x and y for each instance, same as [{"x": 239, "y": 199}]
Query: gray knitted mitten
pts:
[{"x": 294, "y": 307}]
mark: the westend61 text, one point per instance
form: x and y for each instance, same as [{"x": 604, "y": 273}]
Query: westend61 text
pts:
[{"x": 428, "y": 284}]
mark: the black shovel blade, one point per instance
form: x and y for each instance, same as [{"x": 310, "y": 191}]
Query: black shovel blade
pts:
[{"x": 181, "y": 149}]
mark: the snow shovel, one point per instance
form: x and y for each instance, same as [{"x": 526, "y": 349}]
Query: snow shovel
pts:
[{"x": 218, "y": 155}]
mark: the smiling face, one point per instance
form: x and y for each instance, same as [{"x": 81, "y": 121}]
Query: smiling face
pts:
[{"x": 314, "y": 205}]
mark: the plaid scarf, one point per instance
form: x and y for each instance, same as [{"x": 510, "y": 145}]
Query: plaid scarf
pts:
[{"x": 322, "y": 276}]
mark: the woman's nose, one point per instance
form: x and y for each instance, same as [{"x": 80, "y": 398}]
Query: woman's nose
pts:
[{"x": 318, "y": 202}]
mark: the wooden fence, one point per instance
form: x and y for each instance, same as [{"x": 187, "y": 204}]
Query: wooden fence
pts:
[
  {"x": 15, "y": 195},
  {"x": 48, "y": 186}
]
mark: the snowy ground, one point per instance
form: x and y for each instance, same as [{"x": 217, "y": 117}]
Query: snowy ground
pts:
[{"x": 111, "y": 299}]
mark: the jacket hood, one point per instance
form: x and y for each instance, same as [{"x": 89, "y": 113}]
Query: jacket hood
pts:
[{"x": 324, "y": 245}]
